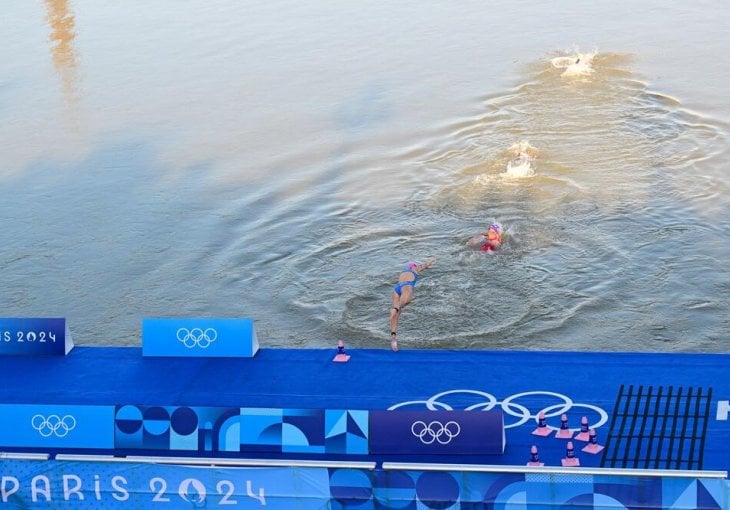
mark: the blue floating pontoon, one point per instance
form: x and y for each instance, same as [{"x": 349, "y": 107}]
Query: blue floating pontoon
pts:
[{"x": 622, "y": 413}]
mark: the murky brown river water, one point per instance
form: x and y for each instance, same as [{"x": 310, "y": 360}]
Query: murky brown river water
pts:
[{"x": 284, "y": 160}]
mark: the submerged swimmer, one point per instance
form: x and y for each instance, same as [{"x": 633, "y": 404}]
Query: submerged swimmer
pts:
[
  {"x": 489, "y": 240},
  {"x": 577, "y": 65},
  {"x": 403, "y": 294}
]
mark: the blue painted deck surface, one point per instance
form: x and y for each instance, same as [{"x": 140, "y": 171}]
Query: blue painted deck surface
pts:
[{"x": 667, "y": 411}]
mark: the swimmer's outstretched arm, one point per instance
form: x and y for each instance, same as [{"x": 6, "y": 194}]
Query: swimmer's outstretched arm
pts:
[
  {"x": 476, "y": 239},
  {"x": 429, "y": 262}
]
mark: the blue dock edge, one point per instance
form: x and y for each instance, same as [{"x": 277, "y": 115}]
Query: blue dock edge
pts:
[{"x": 661, "y": 420}]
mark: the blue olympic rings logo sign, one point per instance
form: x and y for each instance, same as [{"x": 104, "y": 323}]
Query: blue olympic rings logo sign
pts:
[
  {"x": 510, "y": 407},
  {"x": 435, "y": 431},
  {"x": 197, "y": 337},
  {"x": 54, "y": 425}
]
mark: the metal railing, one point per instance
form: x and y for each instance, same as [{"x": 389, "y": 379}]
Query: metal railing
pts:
[
  {"x": 24, "y": 456},
  {"x": 210, "y": 461},
  {"x": 483, "y": 468},
  {"x": 404, "y": 466}
]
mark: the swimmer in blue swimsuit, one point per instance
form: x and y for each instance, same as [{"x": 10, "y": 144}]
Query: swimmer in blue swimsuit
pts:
[
  {"x": 403, "y": 294},
  {"x": 398, "y": 289}
]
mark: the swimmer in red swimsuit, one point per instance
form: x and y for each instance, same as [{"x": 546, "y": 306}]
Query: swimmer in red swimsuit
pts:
[
  {"x": 403, "y": 294},
  {"x": 489, "y": 240}
]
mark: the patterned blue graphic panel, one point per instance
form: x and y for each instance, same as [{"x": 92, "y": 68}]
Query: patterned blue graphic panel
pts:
[
  {"x": 452, "y": 490},
  {"x": 221, "y": 429}
]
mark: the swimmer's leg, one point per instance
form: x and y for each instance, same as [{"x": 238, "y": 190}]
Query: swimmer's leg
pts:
[
  {"x": 406, "y": 297},
  {"x": 399, "y": 302},
  {"x": 394, "y": 316}
]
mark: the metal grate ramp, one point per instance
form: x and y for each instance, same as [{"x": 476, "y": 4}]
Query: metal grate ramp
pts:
[{"x": 658, "y": 428}]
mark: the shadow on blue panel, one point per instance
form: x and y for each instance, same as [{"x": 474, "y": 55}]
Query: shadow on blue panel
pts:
[{"x": 350, "y": 488}]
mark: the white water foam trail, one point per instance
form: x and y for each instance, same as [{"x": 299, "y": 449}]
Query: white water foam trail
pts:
[{"x": 596, "y": 216}]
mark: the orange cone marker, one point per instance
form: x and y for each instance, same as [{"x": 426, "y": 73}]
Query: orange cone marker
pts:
[
  {"x": 564, "y": 432},
  {"x": 570, "y": 459},
  {"x": 592, "y": 446},
  {"x": 583, "y": 435},
  {"x": 542, "y": 428},
  {"x": 534, "y": 457},
  {"x": 341, "y": 356}
]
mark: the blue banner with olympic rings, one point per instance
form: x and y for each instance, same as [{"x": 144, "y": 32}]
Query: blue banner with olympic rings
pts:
[
  {"x": 437, "y": 432},
  {"x": 57, "y": 426},
  {"x": 217, "y": 338}
]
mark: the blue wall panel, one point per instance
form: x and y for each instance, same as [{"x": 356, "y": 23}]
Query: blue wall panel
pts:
[{"x": 114, "y": 485}]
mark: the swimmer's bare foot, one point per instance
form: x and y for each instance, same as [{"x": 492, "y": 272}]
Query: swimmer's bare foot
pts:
[{"x": 393, "y": 342}]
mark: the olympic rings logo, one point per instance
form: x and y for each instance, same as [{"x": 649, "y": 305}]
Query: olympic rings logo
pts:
[
  {"x": 197, "y": 337},
  {"x": 435, "y": 431},
  {"x": 510, "y": 407},
  {"x": 53, "y": 425}
]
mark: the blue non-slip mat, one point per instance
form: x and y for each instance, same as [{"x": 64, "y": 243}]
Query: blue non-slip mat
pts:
[{"x": 666, "y": 411}]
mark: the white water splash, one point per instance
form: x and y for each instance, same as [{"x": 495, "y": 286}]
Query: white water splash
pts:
[
  {"x": 521, "y": 166},
  {"x": 575, "y": 65}
]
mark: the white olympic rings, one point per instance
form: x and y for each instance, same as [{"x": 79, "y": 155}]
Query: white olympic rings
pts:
[
  {"x": 53, "y": 425},
  {"x": 197, "y": 337},
  {"x": 435, "y": 431},
  {"x": 509, "y": 407}
]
